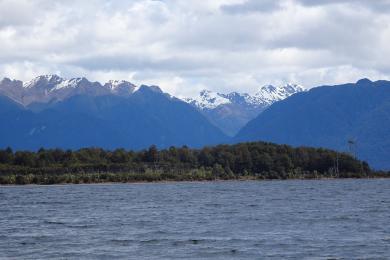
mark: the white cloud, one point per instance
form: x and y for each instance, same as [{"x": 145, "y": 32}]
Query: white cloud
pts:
[{"x": 184, "y": 46}]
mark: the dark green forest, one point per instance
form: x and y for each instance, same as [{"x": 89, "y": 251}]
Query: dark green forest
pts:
[{"x": 256, "y": 160}]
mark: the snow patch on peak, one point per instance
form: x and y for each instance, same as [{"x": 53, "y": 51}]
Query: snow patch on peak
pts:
[
  {"x": 266, "y": 96},
  {"x": 208, "y": 100},
  {"x": 53, "y": 83},
  {"x": 114, "y": 84},
  {"x": 44, "y": 79},
  {"x": 238, "y": 98},
  {"x": 69, "y": 83},
  {"x": 269, "y": 94},
  {"x": 268, "y": 88},
  {"x": 293, "y": 88},
  {"x": 120, "y": 87}
]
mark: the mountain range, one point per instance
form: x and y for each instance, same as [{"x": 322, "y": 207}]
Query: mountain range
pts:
[
  {"x": 228, "y": 112},
  {"x": 52, "y": 112}
]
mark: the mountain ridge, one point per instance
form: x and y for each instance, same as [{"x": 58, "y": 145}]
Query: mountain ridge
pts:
[
  {"x": 53, "y": 88},
  {"x": 266, "y": 95}
]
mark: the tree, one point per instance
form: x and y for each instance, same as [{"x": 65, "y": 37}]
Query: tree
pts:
[
  {"x": 152, "y": 154},
  {"x": 25, "y": 158},
  {"x": 119, "y": 156},
  {"x": 218, "y": 171},
  {"x": 6, "y": 156}
]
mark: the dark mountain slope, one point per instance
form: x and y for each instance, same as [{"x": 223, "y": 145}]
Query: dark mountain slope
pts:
[
  {"x": 330, "y": 116},
  {"x": 146, "y": 117}
]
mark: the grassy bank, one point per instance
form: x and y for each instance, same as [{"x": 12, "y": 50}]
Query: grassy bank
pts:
[{"x": 156, "y": 176}]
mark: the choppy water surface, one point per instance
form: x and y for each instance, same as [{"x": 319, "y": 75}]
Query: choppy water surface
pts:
[{"x": 215, "y": 220}]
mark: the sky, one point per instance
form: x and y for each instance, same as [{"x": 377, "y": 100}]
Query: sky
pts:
[{"x": 185, "y": 46}]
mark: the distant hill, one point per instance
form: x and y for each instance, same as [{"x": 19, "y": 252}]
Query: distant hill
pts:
[
  {"x": 331, "y": 116},
  {"x": 104, "y": 118}
]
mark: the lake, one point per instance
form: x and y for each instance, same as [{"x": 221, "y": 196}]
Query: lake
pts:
[{"x": 297, "y": 219}]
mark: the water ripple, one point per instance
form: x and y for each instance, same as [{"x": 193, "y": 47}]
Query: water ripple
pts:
[{"x": 335, "y": 219}]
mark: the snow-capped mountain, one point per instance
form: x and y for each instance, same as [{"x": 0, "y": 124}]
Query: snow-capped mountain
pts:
[
  {"x": 266, "y": 96},
  {"x": 49, "y": 88},
  {"x": 208, "y": 100},
  {"x": 270, "y": 94},
  {"x": 232, "y": 111}
]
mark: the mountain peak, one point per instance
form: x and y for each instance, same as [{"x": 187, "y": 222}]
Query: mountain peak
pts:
[
  {"x": 363, "y": 82},
  {"x": 293, "y": 87},
  {"x": 153, "y": 88},
  {"x": 51, "y": 79},
  {"x": 121, "y": 87},
  {"x": 268, "y": 88},
  {"x": 269, "y": 94},
  {"x": 69, "y": 83},
  {"x": 5, "y": 80},
  {"x": 205, "y": 92},
  {"x": 116, "y": 83},
  {"x": 208, "y": 100}
]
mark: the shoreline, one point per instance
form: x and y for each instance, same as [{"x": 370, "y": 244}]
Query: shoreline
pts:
[{"x": 196, "y": 181}]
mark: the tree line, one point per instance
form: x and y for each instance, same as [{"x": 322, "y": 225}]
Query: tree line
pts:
[{"x": 255, "y": 160}]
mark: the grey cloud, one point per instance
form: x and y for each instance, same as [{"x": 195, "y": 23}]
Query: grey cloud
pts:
[
  {"x": 376, "y": 5},
  {"x": 199, "y": 43},
  {"x": 17, "y": 13},
  {"x": 338, "y": 31},
  {"x": 252, "y": 6},
  {"x": 136, "y": 62}
]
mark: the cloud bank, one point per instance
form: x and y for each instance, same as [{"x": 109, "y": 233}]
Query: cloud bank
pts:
[{"x": 185, "y": 46}]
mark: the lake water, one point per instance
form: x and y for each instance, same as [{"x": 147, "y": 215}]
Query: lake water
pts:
[{"x": 214, "y": 220}]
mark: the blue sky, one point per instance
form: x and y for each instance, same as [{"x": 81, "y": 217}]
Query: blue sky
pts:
[{"x": 188, "y": 45}]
